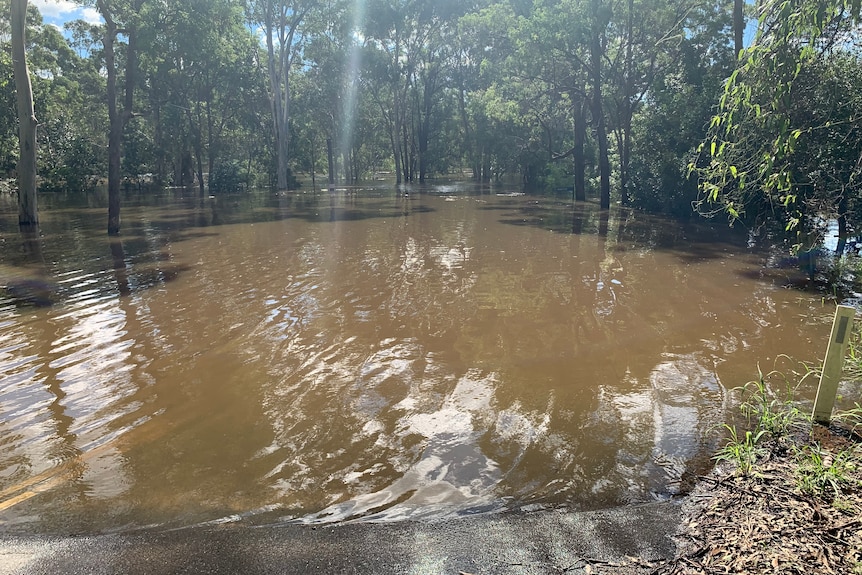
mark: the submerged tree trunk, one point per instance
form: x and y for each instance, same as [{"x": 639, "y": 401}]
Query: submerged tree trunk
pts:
[
  {"x": 27, "y": 212},
  {"x": 330, "y": 160},
  {"x": 580, "y": 161},
  {"x": 843, "y": 231},
  {"x": 598, "y": 109},
  {"x": 117, "y": 120},
  {"x": 115, "y": 129}
]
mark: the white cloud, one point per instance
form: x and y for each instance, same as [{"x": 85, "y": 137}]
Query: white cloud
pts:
[
  {"x": 91, "y": 15},
  {"x": 61, "y": 11},
  {"x": 55, "y": 8}
]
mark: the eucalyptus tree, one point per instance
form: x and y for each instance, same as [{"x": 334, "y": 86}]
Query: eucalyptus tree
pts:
[
  {"x": 674, "y": 115},
  {"x": 776, "y": 130},
  {"x": 72, "y": 125},
  {"x": 437, "y": 23},
  {"x": 483, "y": 46},
  {"x": 405, "y": 52},
  {"x": 644, "y": 41},
  {"x": 201, "y": 60},
  {"x": 392, "y": 43},
  {"x": 27, "y": 210},
  {"x": 281, "y": 22},
  {"x": 738, "y": 25},
  {"x": 563, "y": 48},
  {"x": 328, "y": 89},
  {"x": 8, "y": 114},
  {"x": 121, "y": 19},
  {"x": 552, "y": 43},
  {"x": 599, "y": 16}
]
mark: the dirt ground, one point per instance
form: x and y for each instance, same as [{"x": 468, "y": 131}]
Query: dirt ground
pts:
[{"x": 765, "y": 522}]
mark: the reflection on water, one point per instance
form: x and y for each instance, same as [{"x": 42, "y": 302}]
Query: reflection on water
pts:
[{"x": 369, "y": 355}]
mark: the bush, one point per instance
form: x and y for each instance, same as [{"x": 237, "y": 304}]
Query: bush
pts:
[{"x": 227, "y": 177}]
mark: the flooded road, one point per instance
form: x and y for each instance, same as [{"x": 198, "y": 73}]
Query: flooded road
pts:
[{"x": 370, "y": 355}]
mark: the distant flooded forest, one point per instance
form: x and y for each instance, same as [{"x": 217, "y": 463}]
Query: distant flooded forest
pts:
[{"x": 743, "y": 109}]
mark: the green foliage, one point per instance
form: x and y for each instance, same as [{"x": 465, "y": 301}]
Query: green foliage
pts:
[
  {"x": 433, "y": 87},
  {"x": 851, "y": 417},
  {"x": 742, "y": 452},
  {"x": 772, "y": 149},
  {"x": 8, "y": 117},
  {"x": 824, "y": 474},
  {"x": 228, "y": 177},
  {"x": 768, "y": 417},
  {"x": 775, "y": 416},
  {"x": 675, "y": 118},
  {"x": 777, "y": 424}
]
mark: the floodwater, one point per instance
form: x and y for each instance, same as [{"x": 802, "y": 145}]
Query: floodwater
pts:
[{"x": 371, "y": 355}]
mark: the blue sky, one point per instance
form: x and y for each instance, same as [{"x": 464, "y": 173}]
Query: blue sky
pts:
[{"x": 59, "y": 11}]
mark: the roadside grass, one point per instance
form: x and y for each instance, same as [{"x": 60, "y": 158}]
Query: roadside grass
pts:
[
  {"x": 786, "y": 497},
  {"x": 824, "y": 474},
  {"x": 774, "y": 425},
  {"x": 743, "y": 453},
  {"x": 769, "y": 422}
]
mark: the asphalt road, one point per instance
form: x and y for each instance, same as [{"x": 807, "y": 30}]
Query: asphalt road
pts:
[{"x": 518, "y": 543}]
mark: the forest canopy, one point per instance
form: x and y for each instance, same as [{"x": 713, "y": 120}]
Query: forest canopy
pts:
[{"x": 642, "y": 102}]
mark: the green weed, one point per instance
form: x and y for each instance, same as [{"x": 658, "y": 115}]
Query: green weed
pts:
[
  {"x": 743, "y": 453},
  {"x": 852, "y": 418},
  {"x": 822, "y": 473},
  {"x": 853, "y": 359},
  {"x": 775, "y": 416}
]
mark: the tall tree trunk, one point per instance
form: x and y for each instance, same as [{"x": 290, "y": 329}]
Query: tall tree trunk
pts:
[
  {"x": 580, "y": 160},
  {"x": 284, "y": 130},
  {"x": 598, "y": 109},
  {"x": 627, "y": 107},
  {"x": 405, "y": 153},
  {"x": 331, "y": 161},
  {"x": 345, "y": 161},
  {"x": 425, "y": 117},
  {"x": 469, "y": 141},
  {"x": 115, "y": 129},
  {"x": 27, "y": 212},
  {"x": 313, "y": 165},
  {"x": 277, "y": 22},
  {"x": 199, "y": 162},
  {"x": 738, "y": 25},
  {"x": 197, "y": 144},
  {"x": 159, "y": 140},
  {"x": 396, "y": 140},
  {"x": 117, "y": 121},
  {"x": 625, "y": 153},
  {"x": 843, "y": 231}
]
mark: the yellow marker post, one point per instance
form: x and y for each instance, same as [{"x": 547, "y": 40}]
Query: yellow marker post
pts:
[{"x": 833, "y": 364}]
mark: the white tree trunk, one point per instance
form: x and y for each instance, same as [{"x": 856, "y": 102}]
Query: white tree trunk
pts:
[
  {"x": 281, "y": 19},
  {"x": 27, "y": 213}
]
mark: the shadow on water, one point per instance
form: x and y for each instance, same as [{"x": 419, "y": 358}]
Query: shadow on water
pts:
[
  {"x": 27, "y": 280},
  {"x": 186, "y": 215},
  {"x": 34, "y": 275},
  {"x": 152, "y": 221},
  {"x": 691, "y": 241}
]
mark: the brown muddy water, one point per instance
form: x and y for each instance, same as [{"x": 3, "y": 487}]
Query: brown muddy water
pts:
[{"x": 368, "y": 355}]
